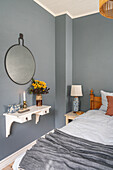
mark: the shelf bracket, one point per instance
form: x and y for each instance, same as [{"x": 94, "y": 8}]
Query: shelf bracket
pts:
[
  {"x": 9, "y": 123},
  {"x": 37, "y": 117}
]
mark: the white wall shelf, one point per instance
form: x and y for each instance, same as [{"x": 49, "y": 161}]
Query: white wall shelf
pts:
[{"x": 24, "y": 117}]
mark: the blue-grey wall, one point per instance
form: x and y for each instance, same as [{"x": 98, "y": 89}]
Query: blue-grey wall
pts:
[
  {"x": 60, "y": 67},
  {"x": 92, "y": 55},
  {"x": 63, "y": 67},
  {"x": 38, "y": 27},
  {"x": 66, "y": 51},
  {"x": 69, "y": 46}
]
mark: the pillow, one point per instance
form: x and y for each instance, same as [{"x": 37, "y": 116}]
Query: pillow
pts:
[
  {"x": 110, "y": 106},
  {"x": 104, "y": 100}
]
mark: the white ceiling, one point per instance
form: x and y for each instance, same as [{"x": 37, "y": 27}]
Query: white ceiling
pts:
[{"x": 74, "y": 8}]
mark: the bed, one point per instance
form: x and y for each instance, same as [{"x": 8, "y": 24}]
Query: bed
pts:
[{"x": 85, "y": 143}]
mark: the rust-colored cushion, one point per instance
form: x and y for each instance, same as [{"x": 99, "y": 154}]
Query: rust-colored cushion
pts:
[{"x": 110, "y": 106}]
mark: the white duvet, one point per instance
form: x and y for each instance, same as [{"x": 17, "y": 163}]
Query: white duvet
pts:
[{"x": 93, "y": 125}]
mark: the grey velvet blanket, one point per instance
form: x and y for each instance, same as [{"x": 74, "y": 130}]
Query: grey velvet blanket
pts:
[{"x": 60, "y": 151}]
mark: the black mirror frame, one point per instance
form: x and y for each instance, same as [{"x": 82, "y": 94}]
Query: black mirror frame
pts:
[{"x": 21, "y": 37}]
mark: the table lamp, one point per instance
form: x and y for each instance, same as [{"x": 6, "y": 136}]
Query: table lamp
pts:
[{"x": 76, "y": 91}]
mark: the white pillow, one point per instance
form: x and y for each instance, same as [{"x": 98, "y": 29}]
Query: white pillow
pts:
[{"x": 104, "y": 100}]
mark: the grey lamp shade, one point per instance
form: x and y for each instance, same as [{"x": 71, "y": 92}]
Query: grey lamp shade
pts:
[{"x": 76, "y": 90}]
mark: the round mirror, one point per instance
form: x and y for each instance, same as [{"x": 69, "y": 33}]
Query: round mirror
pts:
[{"x": 20, "y": 63}]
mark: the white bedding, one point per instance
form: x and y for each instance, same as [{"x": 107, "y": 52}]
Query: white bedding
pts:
[{"x": 93, "y": 125}]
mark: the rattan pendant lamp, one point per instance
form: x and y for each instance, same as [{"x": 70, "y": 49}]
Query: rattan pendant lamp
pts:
[{"x": 106, "y": 8}]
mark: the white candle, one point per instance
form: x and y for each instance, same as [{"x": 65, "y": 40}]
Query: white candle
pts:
[{"x": 24, "y": 96}]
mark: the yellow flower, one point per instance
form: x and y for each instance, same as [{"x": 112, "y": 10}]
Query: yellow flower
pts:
[
  {"x": 44, "y": 87},
  {"x": 42, "y": 83},
  {"x": 33, "y": 84},
  {"x": 38, "y": 85},
  {"x": 35, "y": 87}
]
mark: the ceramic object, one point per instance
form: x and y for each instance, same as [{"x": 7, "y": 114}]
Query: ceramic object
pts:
[
  {"x": 13, "y": 108},
  {"x": 75, "y": 104}
]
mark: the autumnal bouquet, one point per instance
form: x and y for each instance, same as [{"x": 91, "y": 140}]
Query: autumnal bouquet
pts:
[{"x": 38, "y": 87}]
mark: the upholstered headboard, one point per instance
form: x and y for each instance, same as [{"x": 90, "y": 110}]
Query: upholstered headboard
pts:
[{"x": 95, "y": 102}]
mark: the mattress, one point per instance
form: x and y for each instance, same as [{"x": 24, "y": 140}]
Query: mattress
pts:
[{"x": 93, "y": 125}]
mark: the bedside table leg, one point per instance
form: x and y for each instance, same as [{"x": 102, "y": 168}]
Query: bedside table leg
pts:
[{"x": 67, "y": 120}]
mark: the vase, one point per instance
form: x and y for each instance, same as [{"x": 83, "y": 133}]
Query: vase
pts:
[
  {"x": 75, "y": 104},
  {"x": 38, "y": 100}
]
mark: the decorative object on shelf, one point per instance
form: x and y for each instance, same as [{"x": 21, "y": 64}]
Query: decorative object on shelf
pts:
[
  {"x": 24, "y": 105},
  {"x": 13, "y": 108},
  {"x": 76, "y": 91},
  {"x": 106, "y": 8},
  {"x": 38, "y": 88},
  {"x": 23, "y": 110},
  {"x": 38, "y": 100},
  {"x": 20, "y": 63},
  {"x": 24, "y": 96},
  {"x": 24, "y": 100}
]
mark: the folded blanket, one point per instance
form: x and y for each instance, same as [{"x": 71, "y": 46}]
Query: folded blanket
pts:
[{"x": 60, "y": 151}]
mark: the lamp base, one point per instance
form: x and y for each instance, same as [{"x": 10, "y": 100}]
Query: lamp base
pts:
[{"x": 75, "y": 104}]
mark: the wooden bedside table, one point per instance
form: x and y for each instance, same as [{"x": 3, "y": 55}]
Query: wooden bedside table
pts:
[{"x": 71, "y": 116}]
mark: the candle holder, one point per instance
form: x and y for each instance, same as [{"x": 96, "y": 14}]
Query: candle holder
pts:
[
  {"x": 24, "y": 108},
  {"x": 24, "y": 105}
]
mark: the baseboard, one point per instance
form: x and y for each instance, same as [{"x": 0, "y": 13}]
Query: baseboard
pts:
[{"x": 8, "y": 160}]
